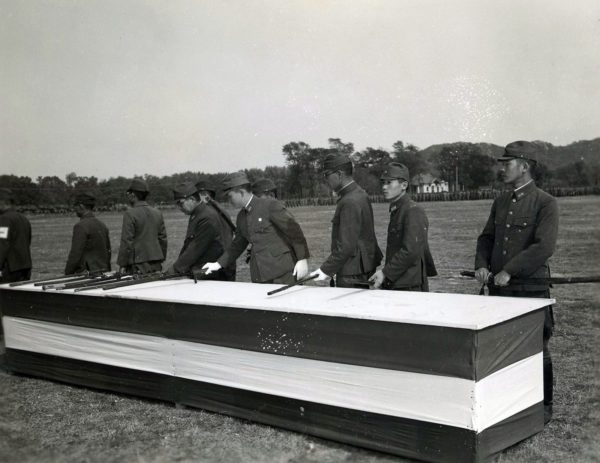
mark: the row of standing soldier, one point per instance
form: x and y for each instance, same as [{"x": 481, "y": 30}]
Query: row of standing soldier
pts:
[{"x": 512, "y": 251}]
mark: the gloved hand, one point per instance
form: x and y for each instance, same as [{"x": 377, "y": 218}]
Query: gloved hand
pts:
[
  {"x": 211, "y": 267},
  {"x": 502, "y": 278},
  {"x": 321, "y": 275},
  {"x": 377, "y": 279},
  {"x": 482, "y": 274},
  {"x": 300, "y": 269}
]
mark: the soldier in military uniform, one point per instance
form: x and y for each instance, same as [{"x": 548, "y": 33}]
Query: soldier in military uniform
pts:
[
  {"x": 279, "y": 249},
  {"x": 264, "y": 188},
  {"x": 408, "y": 261},
  {"x": 203, "y": 241},
  {"x": 143, "y": 236},
  {"x": 355, "y": 253},
  {"x": 517, "y": 241},
  {"x": 15, "y": 241},
  {"x": 90, "y": 245},
  {"x": 207, "y": 193}
]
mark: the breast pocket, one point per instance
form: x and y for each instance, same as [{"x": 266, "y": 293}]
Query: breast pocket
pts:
[{"x": 522, "y": 227}]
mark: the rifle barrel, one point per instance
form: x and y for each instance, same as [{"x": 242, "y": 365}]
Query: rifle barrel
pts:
[
  {"x": 139, "y": 281},
  {"x": 46, "y": 279},
  {"x": 299, "y": 282},
  {"x": 551, "y": 280}
]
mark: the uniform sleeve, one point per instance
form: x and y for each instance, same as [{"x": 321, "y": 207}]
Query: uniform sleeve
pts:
[
  {"x": 412, "y": 247},
  {"x": 285, "y": 223},
  {"x": 543, "y": 245},
  {"x": 162, "y": 236},
  {"x": 350, "y": 225},
  {"x": 125, "y": 256},
  {"x": 4, "y": 240},
  {"x": 205, "y": 232},
  {"x": 485, "y": 241},
  {"x": 237, "y": 246},
  {"x": 74, "y": 261}
]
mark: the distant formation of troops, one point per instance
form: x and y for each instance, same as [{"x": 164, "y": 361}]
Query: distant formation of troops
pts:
[{"x": 511, "y": 256}]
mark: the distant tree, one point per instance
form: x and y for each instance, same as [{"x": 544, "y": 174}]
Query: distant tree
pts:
[
  {"x": 338, "y": 145},
  {"x": 409, "y": 156},
  {"x": 304, "y": 164},
  {"x": 53, "y": 191},
  {"x": 463, "y": 166},
  {"x": 575, "y": 174},
  {"x": 24, "y": 190}
]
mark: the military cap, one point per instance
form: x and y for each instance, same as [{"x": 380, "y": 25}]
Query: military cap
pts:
[
  {"x": 184, "y": 190},
  {"x": 334, "y": 161},
  {"x": 520, "y": 150},
  {"x": 6, "y": 194},
  {"x": 262, "y": 185},
  {"x": 395, "y": 170},
  {"x": 85, "y": 198},
  {"x": 235, "y": 180},
  {"x": 205, "y": 185},
  {"x": 138, "y": 184}
]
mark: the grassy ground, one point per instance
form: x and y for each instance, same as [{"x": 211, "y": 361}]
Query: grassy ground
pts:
[{"x": 46, "y": 421}]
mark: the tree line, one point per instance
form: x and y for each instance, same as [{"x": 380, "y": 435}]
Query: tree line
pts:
[{"x": 465, "y": 166}]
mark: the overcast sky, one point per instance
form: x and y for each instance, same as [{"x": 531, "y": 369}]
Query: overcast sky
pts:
[{"x": 122, "y": 87}]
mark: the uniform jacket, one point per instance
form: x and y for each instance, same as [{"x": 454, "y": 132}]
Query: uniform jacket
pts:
[
  {"x": 15, "y": 241},
  {"x": 226, "y": 231},
  {"x": 90, "y": 246},
  {"x": 277, "y": 240},
  {"x": 408, "y": 261},
  {"x": 520, "y": 236},
  {"x": 354, "y": 248},
  {"x": 143, "y": 237},
  {"x": 203, "y": 242}
]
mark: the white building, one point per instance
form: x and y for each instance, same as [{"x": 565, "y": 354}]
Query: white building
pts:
[{"x": 427, "y": 183}]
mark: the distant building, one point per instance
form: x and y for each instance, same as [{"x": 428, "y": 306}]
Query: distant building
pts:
[{"x": 427, "y": 183}]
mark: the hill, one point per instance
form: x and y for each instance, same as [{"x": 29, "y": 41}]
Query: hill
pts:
[{"x": 552, "y": 156}]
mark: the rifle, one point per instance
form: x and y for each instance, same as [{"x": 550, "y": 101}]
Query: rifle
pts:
[
  {"x": 46, "y": 279},
  {"x": 68, "y": 278},
  {"x": 551, "y": 280},
  {"x": 102, "y": 279},
  {"x": 147, "y": 279},
  {"x": 299, "y": 282}
]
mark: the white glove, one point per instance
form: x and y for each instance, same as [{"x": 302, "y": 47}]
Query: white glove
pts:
[
  {"x": 377, "y": 279},
  {"x": 300, "y": 269},
  {"x": 321, "y": 275},
  {"x": 210, "y": 267}
]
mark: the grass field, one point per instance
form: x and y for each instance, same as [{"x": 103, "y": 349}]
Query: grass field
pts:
[{"x": 46, "y": 421}]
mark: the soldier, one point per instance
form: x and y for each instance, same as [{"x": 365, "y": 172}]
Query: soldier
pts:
[
  {"x": 408, "y": 261},
  {"x": 264, "y": 188},
  {"x": 202, "y": 242},
  {"x": 143, "y": 237},
  {"x": 15, "y": 241},
  {"x": 90, "y": 246},
  {"x": 355, "y": 253},
  {"x": 207, "y": 193},
  {"x": 517, "y": 241},
  {"x": 279, "y": 249}
]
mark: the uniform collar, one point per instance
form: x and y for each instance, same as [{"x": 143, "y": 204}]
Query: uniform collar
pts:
[
  {"x": 347, "y": 188},
  {"x": 250, "y": 203},
  {"x": 140, "y": 203},
  {"x": 396, "y": 204},
  {"x": 523, "y": 190},
  {"x": 197, "y": 209},
  {"x": 87, "y": 215}
]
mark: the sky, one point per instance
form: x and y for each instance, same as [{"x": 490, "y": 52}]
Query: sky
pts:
[{"x": 128, "y": 87}]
